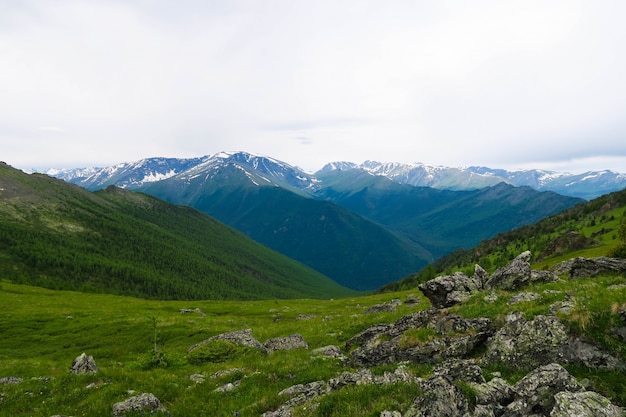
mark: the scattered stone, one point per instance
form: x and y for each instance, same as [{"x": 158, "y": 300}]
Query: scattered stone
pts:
[
  {"x": 563, "y": 307},
  {"x": 390, "y": 414},
  {"x": 186, "y": 310},
  {"x": 524, "y": 297},
  {"x": 306, "y": 316},
  {"x": 412, "y": 299},
  {"x": 584, "y": 404},
  {"x": 292, "y": 342},
  {"x": 616, "y": 287},
  {"x": 491, "y": 298},
  {"x": 142, "y": 402},
  {"x": 330, "y": 351},
  {"x": 231, "y": 386},
  {"x": 590, "y": 267},
  {"x": 10, "y": 380},
  {"x": 239, "y": 337},
  {"x": 198, "y": 378},
  {"x": 225, "y": 372},
  {"x": 389, "y": 307},
  {"x": 310, "y": 390},
  {"x": 84, "y": 364}
]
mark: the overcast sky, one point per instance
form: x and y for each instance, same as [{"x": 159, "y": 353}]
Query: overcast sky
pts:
[{"x": 505, "y": 84}]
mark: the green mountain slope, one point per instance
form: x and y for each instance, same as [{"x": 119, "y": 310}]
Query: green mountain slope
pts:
[
  {"x": 591, "y": 229},
  {"x": 441, "y": 220},
  {"x": 354, "y": 251},
  {"x": 57, "y": 235}
]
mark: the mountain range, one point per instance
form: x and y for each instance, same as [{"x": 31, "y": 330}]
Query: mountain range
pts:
[{"x": 361, "y": 225}]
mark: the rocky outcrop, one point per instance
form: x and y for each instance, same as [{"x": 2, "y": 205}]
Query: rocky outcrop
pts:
[
  {"x": 584, "y": 404},
  {"x": 440, "y": 397},
  {"x": 530, "y": 343},
  {"x": 295, "y": 341},
  {"x": 84, "y": 364},
  {"x": 590, "y": 267},
  {"x": 240, "y": 337},
  {"x": 389, "y": 307},
  {"x": 443, "y": 336},
  {"x": 138, "y": 403}
]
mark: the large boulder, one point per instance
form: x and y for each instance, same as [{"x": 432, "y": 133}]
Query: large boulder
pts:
[
  {"x": 512, "y": 276},
  {"x": 139, "y": 403},
  {"x": 590, "y": 267},
  {"x": 84, "y": 364},
  {"x": 584, "y": 404},
  {"x": 448, "y": 290}
]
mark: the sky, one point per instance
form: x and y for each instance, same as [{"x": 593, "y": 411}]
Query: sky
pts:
[{"x": 503, "y": 84}]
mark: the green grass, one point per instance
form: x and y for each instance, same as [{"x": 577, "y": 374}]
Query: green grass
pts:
[{"x": 44, "y": 330}]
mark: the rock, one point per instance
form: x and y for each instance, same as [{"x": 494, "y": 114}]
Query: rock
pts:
[
  {"x": 512, "y": 276},
  {"x": 464, "y": 370},
  {"x": 579, "y": 352},
  {"x": 10, "y": 380},
  {"x": 360, "y": 377},
  {"x": 563, "y": 307},
  {"x": 440, "y": 398},
  {"x": 590, "y": 267},
  {"x": 389, "y": 307},
  {"x": 452, "y": 337},
  {"x": 523, "y": 343},
  {"x": 198, "y": 378},
  {"x": 331, "y": 351},
  {"x": 390, "y": 414},
  {"x": 524, "y": 297},
  {"x": 84, "y": 364},
  {"x": 496, "y": 392},
  {"x": 292, "y": 342},
  {"x": 491, "y": 298},
  {"x": 225, "y": 372},
  {"x": 310, "y": 390},
  {"x": 448, "y": 290},
  {"x": 306, "y": 316},
  {"x": 240, "y": 337},
  {"x": 231, "y": 386},
  {"x": 584, "y": 404},
  {"x": 142, "y": 402},
  {"x": 535, "y": 392}
]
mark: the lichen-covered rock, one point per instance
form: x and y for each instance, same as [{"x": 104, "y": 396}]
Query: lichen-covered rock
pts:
[
  {"x": 584, "y": 404},
  {"x": 291, "y": 342},
  {"x": 512, "y": 276},
  {"x": 494, "y": 393},
  {"x": 590, "y": 267},
  {"x": 440, "y": 398},
  {"x": 330, "y": 351},
  {"x": 579, "y": 352},
  {"x": 448, "y": 290},
  {"x": 142, "y": 402},
  {"x": 389, "y": 307},
  {"x": 523, "y": 343},
  {"x": 537, "y": 389},
  {"x": 464, "y": 370},
  {"x": 84, "y": 364},
  {"x": 239, "y": 337}
]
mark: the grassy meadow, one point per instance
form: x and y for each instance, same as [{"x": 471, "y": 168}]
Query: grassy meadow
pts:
[{"x": 43, "y": 330}]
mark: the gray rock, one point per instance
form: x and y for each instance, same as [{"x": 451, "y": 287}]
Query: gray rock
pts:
[
  {"x": 390, "y": 414},
  {"x": 590, "y": 267},
  {"x": 579, "y": 352},
  {"x": 496, "y": 392},
  {"x": 292, "y": 342},
  {"x": 512, "y": 276},
  {"x": 523, "y": 343},
  {"x": 142, "y": 402},
  {"x": 10, "y": 380},
  {"x": 584, "y": 404},
  {"x": 310, "y": 390},
  {"x": 440, "y": 398},
  {"x": 448, "y": 290},
  {"x": 239, "y": 337},
  {"x": 538, "y": 388},
  {"x": 198, "y": 378},
  {"x": 231, "y": 386},
  {"x": 330, "y": 351},
  {"x": 84, "y": 364},
  {"x": 524, "y": 297},
  {"x": 225, "y": 372},
  {"x": 464, "y": 370},
  {"x": 389, "y": 307},
  {"x": 563, "y": 307},
  {"x": 360, "y": 377}
]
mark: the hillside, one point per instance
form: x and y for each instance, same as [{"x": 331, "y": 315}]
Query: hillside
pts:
[
  {"x": 344, "y": 246},
  {"x": 590, "y": 229},
  {"x": 58, "y": 235}
]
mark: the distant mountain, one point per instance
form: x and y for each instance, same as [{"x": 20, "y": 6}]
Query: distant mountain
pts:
[
  {"x": 57, "y": 235},
  {"x": 341, "y": 244},
  {"x": 588, "y": 185},
  {"x": 353, "y": 224}
]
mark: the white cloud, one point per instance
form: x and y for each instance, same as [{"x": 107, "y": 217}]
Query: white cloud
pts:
[{"x": 502, "y": 84}]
